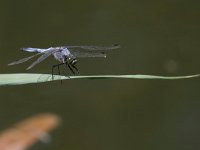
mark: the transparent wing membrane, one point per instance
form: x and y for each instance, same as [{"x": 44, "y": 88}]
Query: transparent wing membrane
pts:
[
  {"x": 95, "y": 48},
  {"x": 23, "y": 60},
  {"x": 90, "y": 51},
  {"x": 41, "y": 58},
  {"x": 88, "y": 54}
]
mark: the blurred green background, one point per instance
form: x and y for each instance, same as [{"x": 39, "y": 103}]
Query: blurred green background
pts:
[{"x": 157, "y": 37}]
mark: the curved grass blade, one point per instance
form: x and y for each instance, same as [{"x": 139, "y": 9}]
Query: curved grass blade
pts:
[{"x": 27, "y": 78}]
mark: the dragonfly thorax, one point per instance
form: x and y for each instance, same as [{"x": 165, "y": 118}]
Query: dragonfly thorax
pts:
[{"x": 63, "y": 55}]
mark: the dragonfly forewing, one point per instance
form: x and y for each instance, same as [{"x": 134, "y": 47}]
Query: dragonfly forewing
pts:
[
  {"x": 91, "y": 51},
  {"x": 88, "y": 54},
  {"x": 95, "y": 48}
]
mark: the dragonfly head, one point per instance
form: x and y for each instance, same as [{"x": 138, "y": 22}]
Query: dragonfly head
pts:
[
  {"x": 74, "y": 61},
  {"x": 71, "y": 60}
]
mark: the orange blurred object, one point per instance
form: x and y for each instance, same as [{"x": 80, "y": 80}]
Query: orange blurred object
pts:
[{"x": 25, "y": 133}]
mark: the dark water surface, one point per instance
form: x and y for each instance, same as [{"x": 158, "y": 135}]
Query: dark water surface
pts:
[{"x": 157, "y": 37}]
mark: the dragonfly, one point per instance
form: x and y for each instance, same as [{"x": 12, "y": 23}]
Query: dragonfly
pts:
[{"x": 66, "y": 55}]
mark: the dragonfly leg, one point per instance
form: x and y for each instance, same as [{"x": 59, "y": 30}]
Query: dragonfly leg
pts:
[
  {"x": 58, "y": 69},
  {"x": 52, "y": 72},
  {"x": 70, "y": 68},
  {"x": 77, "y": 71},
  {"x": 59, "y": 72},
  {"x": 58, "y": 66}
]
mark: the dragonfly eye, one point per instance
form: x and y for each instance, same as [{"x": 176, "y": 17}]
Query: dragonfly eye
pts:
[{"x": 74, "y": 61}]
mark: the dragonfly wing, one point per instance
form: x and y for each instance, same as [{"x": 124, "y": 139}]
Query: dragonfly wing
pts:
[
  {"x": 90, "y": 51},
  {"x": 88, "y": 54},
  {"x": 95, "y": 48},
  {"x": 22, "y": 60},
  {"x": 41, "y": 58}
]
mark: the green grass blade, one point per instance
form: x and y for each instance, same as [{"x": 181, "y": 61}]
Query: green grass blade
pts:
[{"x": 25, "y": 78}]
